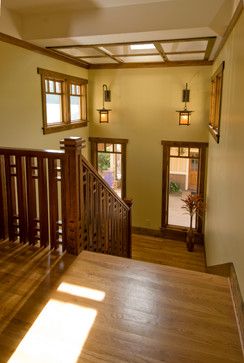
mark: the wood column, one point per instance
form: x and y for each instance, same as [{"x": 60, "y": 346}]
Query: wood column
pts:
[{"x": 73, "y": 187}]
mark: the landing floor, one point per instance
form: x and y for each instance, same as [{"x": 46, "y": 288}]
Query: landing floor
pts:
[{"x": 109, "y": 309}]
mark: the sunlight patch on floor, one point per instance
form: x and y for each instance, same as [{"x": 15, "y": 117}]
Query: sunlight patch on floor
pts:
[
  {"x": 81, "y": 291},
  {"x": 61, "y": 329}
]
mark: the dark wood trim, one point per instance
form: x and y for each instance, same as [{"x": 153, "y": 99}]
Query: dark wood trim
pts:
[
  {"x": 59, "y": 128},
  {"x": 65, "y": 80},
  {"x": 228, "y": 270},
  {"x": 230, "y": 27},
  {"x": 44, "y": 51},
  {"x": 61, "y": 76},
  {"x": 151, "y": 64},
  {"x": 95, "y": 140},
  {"x": 178, "y": 232},
  {"x": 184, "y": 143},
  {"x": 216, "y": 102},
  {"x": 174, "y": 234},
  {"x": 108, "y": 140}
]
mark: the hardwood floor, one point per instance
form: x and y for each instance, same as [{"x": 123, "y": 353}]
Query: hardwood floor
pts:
[
  {"x": 133, "y": 311},
  {"x": 22, "y": 269},
  {"x": 167, "y": 252},
  {"x": 111, "y": 309}
]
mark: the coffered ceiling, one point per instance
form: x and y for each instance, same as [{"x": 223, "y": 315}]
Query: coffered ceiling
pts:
[{"x": 121, "y": 33}]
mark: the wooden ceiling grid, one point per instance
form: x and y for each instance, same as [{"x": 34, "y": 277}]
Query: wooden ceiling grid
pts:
[{"x": 177, "y": 52}]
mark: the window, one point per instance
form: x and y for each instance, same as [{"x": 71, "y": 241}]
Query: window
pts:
[
  {"x": 183, "y": 174},
  {"x": 109, "y": 158},
  {"x": 215, "y": 102},
  {"x": 64, "y": 101}
]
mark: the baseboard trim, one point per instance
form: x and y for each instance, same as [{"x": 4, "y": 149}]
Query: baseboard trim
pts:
[
  {"x": 228, "y": 270},
  {"x": 169, "y": 234}
]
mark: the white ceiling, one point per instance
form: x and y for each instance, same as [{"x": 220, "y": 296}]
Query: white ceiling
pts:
[{"x": 54, "y": 23}]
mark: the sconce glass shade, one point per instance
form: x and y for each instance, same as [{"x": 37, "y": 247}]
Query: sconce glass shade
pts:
[
  {"x": 104, "y": 112},
  {"x": 184, "y": 117},
  {"x": 103, "y": 115}
]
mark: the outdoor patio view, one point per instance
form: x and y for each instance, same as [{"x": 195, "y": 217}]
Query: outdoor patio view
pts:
[
  {"x": 183, "y": 180},
  {"x": 109, "y": 165}
]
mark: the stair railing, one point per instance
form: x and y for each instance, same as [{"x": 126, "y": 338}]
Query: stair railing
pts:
[{"x": 54, "y": 198}]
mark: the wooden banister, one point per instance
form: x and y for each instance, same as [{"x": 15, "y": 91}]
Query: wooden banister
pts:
[
  {"x": 51, "y": 197},
  {"x": 107, "y": 219}
]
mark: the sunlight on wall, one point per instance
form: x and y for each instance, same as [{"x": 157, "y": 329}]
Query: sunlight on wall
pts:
[
  {"x": 81, "y": 291},
  {"x": 60, "y": 331}
]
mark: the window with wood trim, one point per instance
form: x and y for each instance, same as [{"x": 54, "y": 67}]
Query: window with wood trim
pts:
[
  {"x": 108, "y": 156},
  {"x": 64, "y": 101},
  {"x": 215, "y": 102}
]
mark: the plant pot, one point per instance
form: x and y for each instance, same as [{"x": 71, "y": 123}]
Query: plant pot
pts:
[{"x": 190, "y": 240}]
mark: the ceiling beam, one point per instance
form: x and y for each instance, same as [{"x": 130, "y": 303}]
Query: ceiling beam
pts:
[{"x": 159, "y": 48}]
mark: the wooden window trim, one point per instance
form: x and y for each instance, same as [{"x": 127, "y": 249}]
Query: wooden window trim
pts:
[
  {"x": 97, "y": 140},
  {"x": 216, "y": 102},
  {"x": 171, "y": 230},
  {"x": 66, "y": 81}
]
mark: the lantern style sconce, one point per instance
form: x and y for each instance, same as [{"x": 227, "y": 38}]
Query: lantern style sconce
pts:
[
  {"x": 104, "y": 112},
  {"x": 184, "y": 115}
]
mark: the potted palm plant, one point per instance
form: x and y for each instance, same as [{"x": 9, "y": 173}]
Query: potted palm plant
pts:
[{"x": 194, "y": 205}]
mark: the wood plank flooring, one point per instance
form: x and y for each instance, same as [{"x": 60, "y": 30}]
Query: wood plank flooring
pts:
[
  {"x": 110, "y": 309},
  {"x": 167, "y": 252},
  {"x": 22, "y": 269}
]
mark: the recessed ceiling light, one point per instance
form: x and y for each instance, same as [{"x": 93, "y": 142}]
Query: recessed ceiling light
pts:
[{"x": 141, "y": 46}]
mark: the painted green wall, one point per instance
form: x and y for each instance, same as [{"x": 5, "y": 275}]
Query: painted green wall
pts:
[
  {"x": 224, "y": 224},
  {"x": 20, "y": 98},
  {"x": 144, "y": 104}
]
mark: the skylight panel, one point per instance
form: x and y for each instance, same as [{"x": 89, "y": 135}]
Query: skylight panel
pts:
[{"x": 142, "y": 46}]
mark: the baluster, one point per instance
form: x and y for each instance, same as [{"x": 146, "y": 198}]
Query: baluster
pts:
[
  {"x": 43, "y": 201},
  {"x": 3, "y": 208},
  {"x": 11, "y": 193},
  {"x": 21, "y": 194},
  {"x": 53, "y": 202},
  {"x": 31, "y": 199}
]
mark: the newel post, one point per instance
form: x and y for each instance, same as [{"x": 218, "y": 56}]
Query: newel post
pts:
[
  {"x": 73, "y": 194},
  {"x": 129, "y": 203}
]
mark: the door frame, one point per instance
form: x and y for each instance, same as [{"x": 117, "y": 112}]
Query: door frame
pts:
[
  {"x": 173, "y": 231},
  {"x": 105, "y": 140}
]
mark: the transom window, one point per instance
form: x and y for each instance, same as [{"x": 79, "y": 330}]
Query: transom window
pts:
[
  {"x": 64, "y": 101},
  {"x": 109, "y": 158}
]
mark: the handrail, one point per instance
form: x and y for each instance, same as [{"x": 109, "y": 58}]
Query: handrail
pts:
[{"x": 32, "y": 152}]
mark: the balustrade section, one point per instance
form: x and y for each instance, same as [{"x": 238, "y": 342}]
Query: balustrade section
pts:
[
  {"x": 57, "y": 198},
  {"x": 106, "y": 216},
  {"x": 31, "y": 206}
]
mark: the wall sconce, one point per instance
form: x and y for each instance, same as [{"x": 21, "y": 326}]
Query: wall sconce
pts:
[
  {"x": 104, "y": 112},
  {"x": 184, "y": 115}
]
